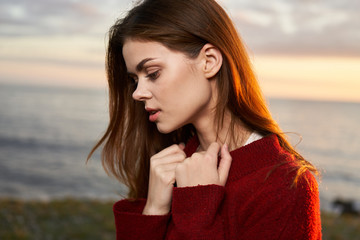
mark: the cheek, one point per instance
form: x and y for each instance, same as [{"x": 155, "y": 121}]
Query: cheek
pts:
[
  {"x": 194, "y": 99},
  {"x": 182, "y": 88},
  {"x": 174, "y": 87}
]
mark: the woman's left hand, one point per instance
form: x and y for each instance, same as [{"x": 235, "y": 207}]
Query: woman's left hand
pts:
[{"x": 202, "y": 167}]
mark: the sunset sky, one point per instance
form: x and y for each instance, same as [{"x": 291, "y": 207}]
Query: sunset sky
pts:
[{"x": 300, "y": 49}]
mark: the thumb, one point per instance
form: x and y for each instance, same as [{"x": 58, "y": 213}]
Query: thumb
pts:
[
  {"x": 182, "y": 146},
  {"x": 224, "y": 165}
]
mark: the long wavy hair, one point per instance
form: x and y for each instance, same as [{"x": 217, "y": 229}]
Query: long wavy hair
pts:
[{"x": 186, "y": 26}]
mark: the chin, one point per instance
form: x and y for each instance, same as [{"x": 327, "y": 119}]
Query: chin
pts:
[{"x": 166, "y": 129}]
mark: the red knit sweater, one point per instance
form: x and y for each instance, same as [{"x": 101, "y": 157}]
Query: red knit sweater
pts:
[{"x": 252, "y": 205}]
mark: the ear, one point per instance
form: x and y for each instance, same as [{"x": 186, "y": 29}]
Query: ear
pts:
[{"x": 212, "y": 60}]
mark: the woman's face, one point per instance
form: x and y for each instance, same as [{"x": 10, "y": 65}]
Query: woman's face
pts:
[{"x": 173, "y": 87}]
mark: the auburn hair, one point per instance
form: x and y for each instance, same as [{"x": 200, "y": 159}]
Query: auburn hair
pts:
[{"x": 185, "y": 26}]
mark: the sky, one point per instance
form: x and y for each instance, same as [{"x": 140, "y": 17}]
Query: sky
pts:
[{"x": 308, "y": 49}]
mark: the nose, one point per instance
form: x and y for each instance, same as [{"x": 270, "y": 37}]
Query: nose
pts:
[{"x": 141, "y": 92}]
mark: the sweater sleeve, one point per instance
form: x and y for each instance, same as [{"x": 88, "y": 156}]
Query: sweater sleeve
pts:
[
  {"x": 195, "y": 212},
  {"x": 132, "y": 224},
  {"x": 284, "y": 213},
  {"x": 304, "y": 221}
]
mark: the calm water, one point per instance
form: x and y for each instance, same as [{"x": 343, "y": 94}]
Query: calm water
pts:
[{"x": 46, "y": 134}]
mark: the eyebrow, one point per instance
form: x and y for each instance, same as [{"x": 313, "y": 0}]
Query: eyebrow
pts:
[{"x": 140, "y": 65}]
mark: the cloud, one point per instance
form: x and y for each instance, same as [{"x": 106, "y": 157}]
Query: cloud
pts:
[
  {"x": 54, "y": 17},
  {"x": 275, "y": 27},
  {"x": 298, "y": 27}
]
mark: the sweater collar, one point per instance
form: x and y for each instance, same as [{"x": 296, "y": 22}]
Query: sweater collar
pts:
[{"x": 247, "y": 159}]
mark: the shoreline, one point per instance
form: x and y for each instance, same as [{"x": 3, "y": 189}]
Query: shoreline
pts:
[{"x": 74, "y": 218}]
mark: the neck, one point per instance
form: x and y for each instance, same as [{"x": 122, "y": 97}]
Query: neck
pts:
[{"x": 234, "y": 137}]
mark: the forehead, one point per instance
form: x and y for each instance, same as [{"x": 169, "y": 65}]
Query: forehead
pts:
[{"x": 135, "y": 51}]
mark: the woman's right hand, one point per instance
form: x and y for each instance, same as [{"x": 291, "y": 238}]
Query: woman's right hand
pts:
[{"x": 162, "y": 179}]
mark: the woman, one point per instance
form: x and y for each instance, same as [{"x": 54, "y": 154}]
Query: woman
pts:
[{"x": 178, "y": 73}]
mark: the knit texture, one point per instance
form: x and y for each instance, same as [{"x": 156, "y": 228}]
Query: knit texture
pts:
[{"x": 257, "y": 202}]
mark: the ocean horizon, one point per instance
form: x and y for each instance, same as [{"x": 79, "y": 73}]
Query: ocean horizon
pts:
[{"x": 47, "y": 132}]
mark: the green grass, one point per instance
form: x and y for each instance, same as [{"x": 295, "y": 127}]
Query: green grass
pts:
[
  {"x": 57, "y": 219},
  {"x": 336, "y": 227},
  {"x": 91, "y": 219}
]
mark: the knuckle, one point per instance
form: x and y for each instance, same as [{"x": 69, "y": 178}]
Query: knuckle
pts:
[
  {"x": 180, "y": 167},
  {"x": 208, "y": 157},
  {"x": 175, "y": 147},
  {"x": 196, "y": 155},
  {"x": 153, "y": 163},
  {"x": 181, "y": 156},
  {"x": 163, "y": 178},
  {"x": 179, "y": 150},
  {"x": 157, "y": 170},
  {"x": 154, "y": 158}
]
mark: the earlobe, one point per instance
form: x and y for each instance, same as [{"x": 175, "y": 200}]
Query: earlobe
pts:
[{"x": 213, "y": 60}]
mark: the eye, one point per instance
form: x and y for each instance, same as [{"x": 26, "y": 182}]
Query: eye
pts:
[
  {"x": 133, "y": 80},
  {"x": 154, "y": 75}
]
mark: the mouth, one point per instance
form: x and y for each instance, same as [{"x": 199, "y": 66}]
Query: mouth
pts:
[{"x": 153, "y": 114}]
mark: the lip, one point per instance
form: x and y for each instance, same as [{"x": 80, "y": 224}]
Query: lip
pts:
[{"x": 153, "y": 114}]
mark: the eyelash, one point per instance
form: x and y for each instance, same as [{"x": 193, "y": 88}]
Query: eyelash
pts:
[
  {"x": 154, "y": 75},
  {"x": 133, "y": 80}
]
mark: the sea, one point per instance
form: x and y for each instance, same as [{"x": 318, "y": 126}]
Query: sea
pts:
[{"x": 46, "y": 133}]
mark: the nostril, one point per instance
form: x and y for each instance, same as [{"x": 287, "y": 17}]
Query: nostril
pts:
[
  {"x": 141, "y": 94},
  {"x": 136, "y": 96}
]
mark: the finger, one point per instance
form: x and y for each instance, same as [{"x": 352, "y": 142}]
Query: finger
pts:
[
  {"x": 169, "y": 167},
  {"x": 168, "y": 159},
  {"x": 182, "y": 146},
  {"x": 212, "y": 152},
  {"x": 169, "y": 150},
  {"x": 168, "y": 177},
  {"x": 224, "y": 165}
]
